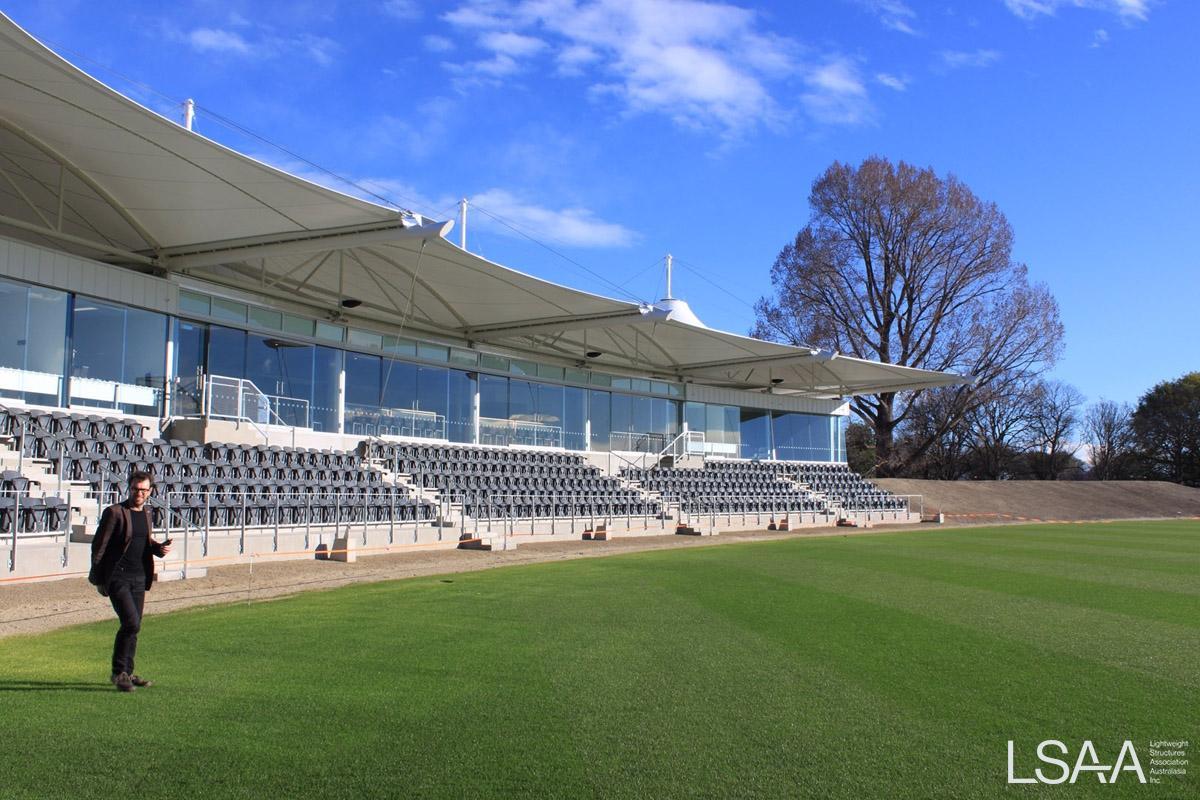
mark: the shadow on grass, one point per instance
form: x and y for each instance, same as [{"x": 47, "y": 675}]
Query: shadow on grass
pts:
[{"x": 52, "y": 686}]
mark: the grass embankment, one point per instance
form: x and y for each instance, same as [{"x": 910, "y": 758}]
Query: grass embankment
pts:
[{"x": 879, "y": 665}]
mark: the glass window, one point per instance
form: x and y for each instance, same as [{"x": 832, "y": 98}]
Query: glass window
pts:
[
  {"x": 432, "y": 352},
  {"x": 226, "y": 352},
  {"x": 284, "y": 370},
  {"x": 621, "y": 383},
  {"x": 518, "y": 367},
  {"x": 399, "y": 384},
  {"x": 498, "y": 363},
  {"x": 33, "y": 338},
  {"x": 622, "y": 413},
  {"x": 362, "y": 395},
  {"x": 575, "y": 376},
  {"x": 228, "y": 310},
  {"x": 46, "y": 342},
  {"x": 658, "y": 387},
  {"x": 368, "y": 339},
  {"x": 600, "y": 417},
  {"x": 643, "y": 415},
  {"x": 362, "y": 380},
  {"x": 522, "y": 402},
  {"x": 399, "y": 346},
  {"x": 574, "y": 418},
  {"x": 14, "y": 315},
  {"x": 460, "y": 422},
  {"x": 600, "y": 379},
  {"x": 641, "y": 385},
  {"x": 190, "y": 342},
  {"x": 145, "y": 361},
  {"x": 118, "y": 357},
  {"x": 756, "y": 433},
  {"x": 550, "y": 372},
  {"x": 804, "y": 437},
  {"x": 723, "y": 428},
  {"x": 675, "y": 389},
  {"x": 330, "y": 332},
  {"x": 194, "y": 303},
  {"x": 99, "y": 341},
  {"x": 465, "y": 358},
  {"x": 431, "y": 389},
  {"x": 327, "y": 372},
  {"x": 550, "y": 405},
  {"x": 266, "y": 318},
  {"x": 666, "y": 416},
  {"x": 300, "y": 326},
  {"x": 493, "y": 397},
  {"x": 693, "y": 414}
]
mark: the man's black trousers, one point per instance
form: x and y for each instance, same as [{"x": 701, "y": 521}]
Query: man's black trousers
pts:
[{"x": 128, "y": 596}]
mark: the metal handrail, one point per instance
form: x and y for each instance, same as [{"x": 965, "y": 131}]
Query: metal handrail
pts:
[
  {"x": 554, "y": 433},
  {"x": 241, "y": 385}
]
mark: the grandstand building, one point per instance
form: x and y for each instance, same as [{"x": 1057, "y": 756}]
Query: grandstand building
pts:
[{"x": 168, "y": 302}]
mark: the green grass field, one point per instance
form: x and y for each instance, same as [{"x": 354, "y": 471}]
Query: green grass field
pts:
[{"x": 878, "y": 665}]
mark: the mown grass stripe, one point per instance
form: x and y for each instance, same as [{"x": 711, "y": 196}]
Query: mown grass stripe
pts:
[{"x": 866, "y": 666}]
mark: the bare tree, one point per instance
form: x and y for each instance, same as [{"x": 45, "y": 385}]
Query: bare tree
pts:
[
  {"x": 902, "y": 266},
  {"x": 1000, "y": 423},
  {"x": 947, "y": 457},
  {"x": 1054, "y": 420},
  {"x": 1108, "y": 428}
]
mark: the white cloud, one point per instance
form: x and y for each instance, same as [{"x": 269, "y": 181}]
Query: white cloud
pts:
[
  {"x": 573, "y": 58},
  {"x": 206, "y": 40},
  {"x": 320, "y": 49},
  {"x": 836, "y": 93},
  {"x": 437, "y": 44},
  {"x": 892, "y": 81},
  {"x": 511, "y": 44},
  {"x": 969, "y": 58},
  {"x": 578, "y": 227},
  {"x": 415, "y": 137},
  {"x": 893, "y": 14},
  {"x": 704, "y": 64},
  {"x": 498, "y": 66},
  {"x": 1100, "y": 38},
  {"x": 402, "y": 9},
  {"x": 1128, "y": 10},
  {"x": 573, "y": 226}
]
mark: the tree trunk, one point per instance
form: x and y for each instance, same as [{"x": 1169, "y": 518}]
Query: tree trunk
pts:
[{"x": 885, "y": 428}]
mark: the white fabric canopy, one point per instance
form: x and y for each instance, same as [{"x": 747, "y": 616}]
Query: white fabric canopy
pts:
[{"x": 88, "y": 170}]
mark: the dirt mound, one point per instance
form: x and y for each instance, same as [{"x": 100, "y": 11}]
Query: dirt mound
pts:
[{"x": 990, "y": 501}]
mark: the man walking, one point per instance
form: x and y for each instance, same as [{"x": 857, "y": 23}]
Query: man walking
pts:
[{"x": 123, "y": 571}]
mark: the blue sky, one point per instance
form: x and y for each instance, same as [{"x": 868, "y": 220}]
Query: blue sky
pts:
[{"x": 614, "y": 132}]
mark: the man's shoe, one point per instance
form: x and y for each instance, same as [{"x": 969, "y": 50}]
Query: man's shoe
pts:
[
  {"x": 140, "y": 682},
  {"x": 123, "y": 682}
]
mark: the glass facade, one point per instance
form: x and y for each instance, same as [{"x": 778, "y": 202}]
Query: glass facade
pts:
[
  {"x": 33, "y": 338},
  {"x": 57, "y": 348},
  {"x": 805, "y": 437},
  {"x": 118, "y": 357},
  {"x": 755, "y": 431}
]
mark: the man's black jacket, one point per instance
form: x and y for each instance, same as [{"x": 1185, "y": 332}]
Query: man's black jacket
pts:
[{"x": 113, "y": 536}]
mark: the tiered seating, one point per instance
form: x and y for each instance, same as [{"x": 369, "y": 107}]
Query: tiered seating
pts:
[
  {"x": 23, "y": 503},
  {"x": 215, "y": 484},
  {"x": 726, "y": 487},
  {"x": 497, "y": 483},
  {"x": 276, "y": 485},
  {"x": 844, "y": 487},
  {"x": 29, "y": 512}
]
